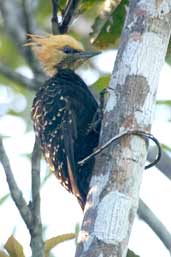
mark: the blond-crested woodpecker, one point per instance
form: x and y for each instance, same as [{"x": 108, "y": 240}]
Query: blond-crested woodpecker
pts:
[{"x": 63, "y": 111}]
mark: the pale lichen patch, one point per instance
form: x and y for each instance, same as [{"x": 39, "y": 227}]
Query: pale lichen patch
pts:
[
  {"x": 111, "y": 224},
  {"x": 111, "y": 102},
  {"x": 97, "y": 185}
]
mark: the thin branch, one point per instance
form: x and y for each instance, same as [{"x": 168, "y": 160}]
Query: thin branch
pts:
[
  {"x": 28, "y": 19},
  {"x": 54, "y": 20},
  {"x": 18, "y": 78},
  {"x": 16, "y": 193},
  {"x": 164, "y": 164},
  {"x": 37, "y": 244},
  {"x": 155, "y": 224},
  {"x": 12, "y": 15},
  {"x": 68, "y": 14},
  {"x": 36, "y": 156}
]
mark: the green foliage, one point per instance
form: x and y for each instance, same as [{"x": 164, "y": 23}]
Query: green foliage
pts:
[
  {"x": 54, "y": 241},
  {"x": 3, "y": 254},
  {"x": 43, "y": 12},
  {"x": 89, "y": 6},
  {"x": 46, "y": 178},
  {"x": 165, "y": 102},
  {"x": 168, "y": 55},
  {"x": 8, "y": 49},
  {"x": 77, "y": 230},
  {"x": 166, "y": 148},
  {"x": 107, "y": 33},
  {"x": 4, "y": 198},
  {"x": 14, "y": 248},
  {"x": 99, "y": 85},
  {"x": 131, "y": 254}
]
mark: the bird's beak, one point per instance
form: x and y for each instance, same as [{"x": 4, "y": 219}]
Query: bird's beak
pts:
[{"x": 87, "y": 54}]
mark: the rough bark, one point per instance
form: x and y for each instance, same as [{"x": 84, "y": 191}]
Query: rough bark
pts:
[{"x": 114, "y": 191}]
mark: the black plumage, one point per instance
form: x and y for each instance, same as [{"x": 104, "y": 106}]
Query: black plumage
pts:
[{"x": 63, "y": 111}]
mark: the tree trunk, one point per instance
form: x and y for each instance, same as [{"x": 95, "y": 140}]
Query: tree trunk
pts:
[{"x": 114, "y": 191}]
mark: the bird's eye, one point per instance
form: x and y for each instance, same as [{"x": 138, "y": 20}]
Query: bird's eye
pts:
[{"x": 69, "y": 50}]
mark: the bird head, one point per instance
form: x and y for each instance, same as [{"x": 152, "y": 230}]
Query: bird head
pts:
[{"x": 59, "y": 51}]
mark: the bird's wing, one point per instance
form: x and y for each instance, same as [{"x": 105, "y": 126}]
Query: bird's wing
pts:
[
  {"x": 59, "y": 146},
  {"x": 69, "y": 131},
  {"x": 69, "y": 127}
]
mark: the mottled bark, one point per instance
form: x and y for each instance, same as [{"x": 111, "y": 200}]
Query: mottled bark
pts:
[{"x": 114, "y": 192}]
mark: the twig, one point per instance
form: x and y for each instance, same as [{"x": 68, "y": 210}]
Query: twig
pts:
[
  {"x": 19, "y": 78},
  {"x": 149, "y": 217},
  {"x": 11, "y": 14},
  {"x": 28, "y": 20},
  {"x": 54, "y": 20},
  {"x": 31, "y": 213},
  {"x": 36, "y": 156},
  {"x": 68, "y": 15},
  {"x": 37, "y": 244},
  {"x": 164, "y": 164},
  {"x": 118, "y": 137},
  {"x": 16, "y": 193},
  {"x": 13, "y": 22}
]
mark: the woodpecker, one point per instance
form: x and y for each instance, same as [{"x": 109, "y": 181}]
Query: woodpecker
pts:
[{"x": 63, "y": 112}]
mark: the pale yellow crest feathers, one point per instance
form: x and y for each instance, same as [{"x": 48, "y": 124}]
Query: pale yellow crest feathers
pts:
[{"x": 49, "y": 49}]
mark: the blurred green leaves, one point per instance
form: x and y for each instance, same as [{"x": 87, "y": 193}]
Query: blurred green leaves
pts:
[
  {"x": 168, "y": 55},
  {"x": 107, "y": 30},
  {"x": 100, "y": 84},
  {"x": 131, "y": 254},
  {"x": 54, "y": 241},
  {"x": 14, "y": 248},
  {"x": 4, "y": 198},
  {"x": 3, "y": 254},
  {"x": 8, "y": 52}
]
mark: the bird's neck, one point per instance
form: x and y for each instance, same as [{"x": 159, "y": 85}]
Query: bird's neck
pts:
[{"x": 61, "y": 71}]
